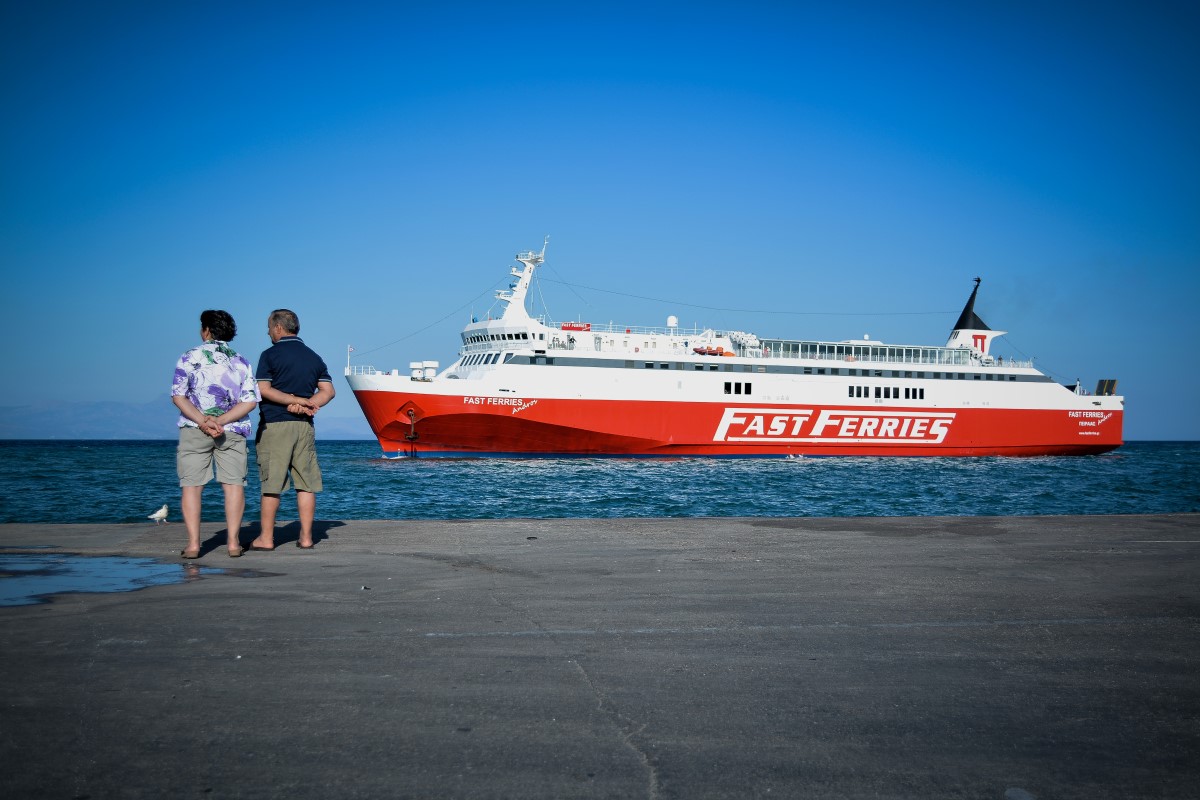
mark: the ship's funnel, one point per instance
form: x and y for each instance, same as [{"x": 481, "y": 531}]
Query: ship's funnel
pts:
[{"x": 972, "y": 332}]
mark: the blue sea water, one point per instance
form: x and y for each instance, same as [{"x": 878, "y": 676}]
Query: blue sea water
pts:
[{"x": 124, "y": 481}]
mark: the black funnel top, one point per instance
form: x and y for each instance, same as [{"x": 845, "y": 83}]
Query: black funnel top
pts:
[{"x": 969, "y": 320}]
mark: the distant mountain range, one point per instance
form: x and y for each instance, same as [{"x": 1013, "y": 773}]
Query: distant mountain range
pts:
[{"x": 152, "y": 420}]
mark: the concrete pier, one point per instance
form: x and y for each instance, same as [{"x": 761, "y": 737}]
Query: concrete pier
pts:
[{"x": 1007, "y": 658}]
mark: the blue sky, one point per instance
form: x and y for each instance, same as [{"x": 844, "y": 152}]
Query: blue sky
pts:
[{"x": 806, "y": 170}]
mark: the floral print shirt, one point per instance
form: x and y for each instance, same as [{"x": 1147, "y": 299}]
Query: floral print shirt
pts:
[{"x": 214, "y": 378}]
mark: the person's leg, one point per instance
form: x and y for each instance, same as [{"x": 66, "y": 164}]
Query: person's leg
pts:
[
  {"x": 272, "y": 452},
  {"x": 193, "y": 463},
  {"x": 190, "y": 502},
  {"x": 230, "y": 455},
  {"x": 235, "y": 506},
  {"x": 306, "y": 477},
  {"x": 306, "y": 506},
  {"x": 266, "y": 538}
]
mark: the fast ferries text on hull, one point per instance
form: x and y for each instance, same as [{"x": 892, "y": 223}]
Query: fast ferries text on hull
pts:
[{"x": 521, "y": 387}]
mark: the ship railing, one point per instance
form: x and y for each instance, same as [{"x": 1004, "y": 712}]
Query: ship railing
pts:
[
  {"x": 642, "y": 330},
  {"x": 941, "y": 358},
  {"x": 361, "y": 369}
]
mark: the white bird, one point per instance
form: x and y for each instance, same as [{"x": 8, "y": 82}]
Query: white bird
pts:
[{"x": 160, "y": 515}]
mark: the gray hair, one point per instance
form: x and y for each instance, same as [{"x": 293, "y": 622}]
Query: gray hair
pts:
[{"x": 285, "y": 319}]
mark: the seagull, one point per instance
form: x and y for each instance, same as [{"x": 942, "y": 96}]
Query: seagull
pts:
[{"x": 160, "y": 515}]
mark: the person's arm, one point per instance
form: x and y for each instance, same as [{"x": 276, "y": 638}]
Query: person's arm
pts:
[
  {"x": 325, "y": 393},
  {"x": 206, "y": 423},
  {"x": 294, "y": 403},
  {"x": 237, "y": 412}
]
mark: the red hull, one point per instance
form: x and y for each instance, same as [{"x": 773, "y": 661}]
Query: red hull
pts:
[{"x": 465, "y": 426}]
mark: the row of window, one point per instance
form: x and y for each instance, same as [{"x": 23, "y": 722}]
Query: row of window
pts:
[
  {"x": 484, "y": 358},
  {"x": 665, "y": 365},
  {"x": 888, "y": 392},
  {"x": 908, "y": 373},
  {"x": 737, "y": 388},
  {"x": 723, "y": 366},
  {"x": 500, "y": 337}
]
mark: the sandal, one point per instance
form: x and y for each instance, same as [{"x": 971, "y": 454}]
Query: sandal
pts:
[
  {"x": 236, "y": 552},
  {"x": 184, "y": 554}
]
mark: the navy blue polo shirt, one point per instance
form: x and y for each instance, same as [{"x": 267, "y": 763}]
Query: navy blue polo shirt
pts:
[{"x": 291, "y": 367}]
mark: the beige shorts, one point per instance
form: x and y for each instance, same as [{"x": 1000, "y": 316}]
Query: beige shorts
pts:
[
  {"x": 197, "y": 452},
  {"x": 287, "y": 454}
]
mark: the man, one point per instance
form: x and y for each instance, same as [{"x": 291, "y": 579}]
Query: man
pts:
[
  {"x": 294, "y": 382},
  {"x": 215, "y": 392}
]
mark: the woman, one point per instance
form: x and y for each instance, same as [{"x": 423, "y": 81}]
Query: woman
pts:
[{"x": 215, "y": 391}]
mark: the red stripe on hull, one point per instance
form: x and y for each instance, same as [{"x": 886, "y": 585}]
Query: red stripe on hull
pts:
[{"x": 457, "y": 425}]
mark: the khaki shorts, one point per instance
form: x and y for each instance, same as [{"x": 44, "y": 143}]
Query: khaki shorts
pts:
[
  {"x": 197, "y": 452},
  {"x": 287, "y": 450}
]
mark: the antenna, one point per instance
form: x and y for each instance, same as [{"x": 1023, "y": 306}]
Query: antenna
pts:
[{"x": 543, "y": 253}]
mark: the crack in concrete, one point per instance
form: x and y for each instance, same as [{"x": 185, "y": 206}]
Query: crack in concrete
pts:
[{"x": 626, "y": 727}]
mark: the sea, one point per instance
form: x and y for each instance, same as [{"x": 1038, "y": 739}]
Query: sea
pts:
[{"x": 125, "y": 481}]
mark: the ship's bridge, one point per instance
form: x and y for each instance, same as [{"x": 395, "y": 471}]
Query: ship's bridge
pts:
[
  {"x": 540, "y": 334},
  {"x": 497, "y": 334}
]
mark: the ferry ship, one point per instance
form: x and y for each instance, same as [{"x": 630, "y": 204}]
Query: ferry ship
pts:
[{"x": 523, "y": 388}]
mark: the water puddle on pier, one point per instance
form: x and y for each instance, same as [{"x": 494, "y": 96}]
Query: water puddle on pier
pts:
[{"x": 30, "y": 578}]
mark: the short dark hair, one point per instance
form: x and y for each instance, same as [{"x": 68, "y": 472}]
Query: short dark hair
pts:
[
  {"x": 286, "y": 319},
  {"x": 219, "y": 324}
]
